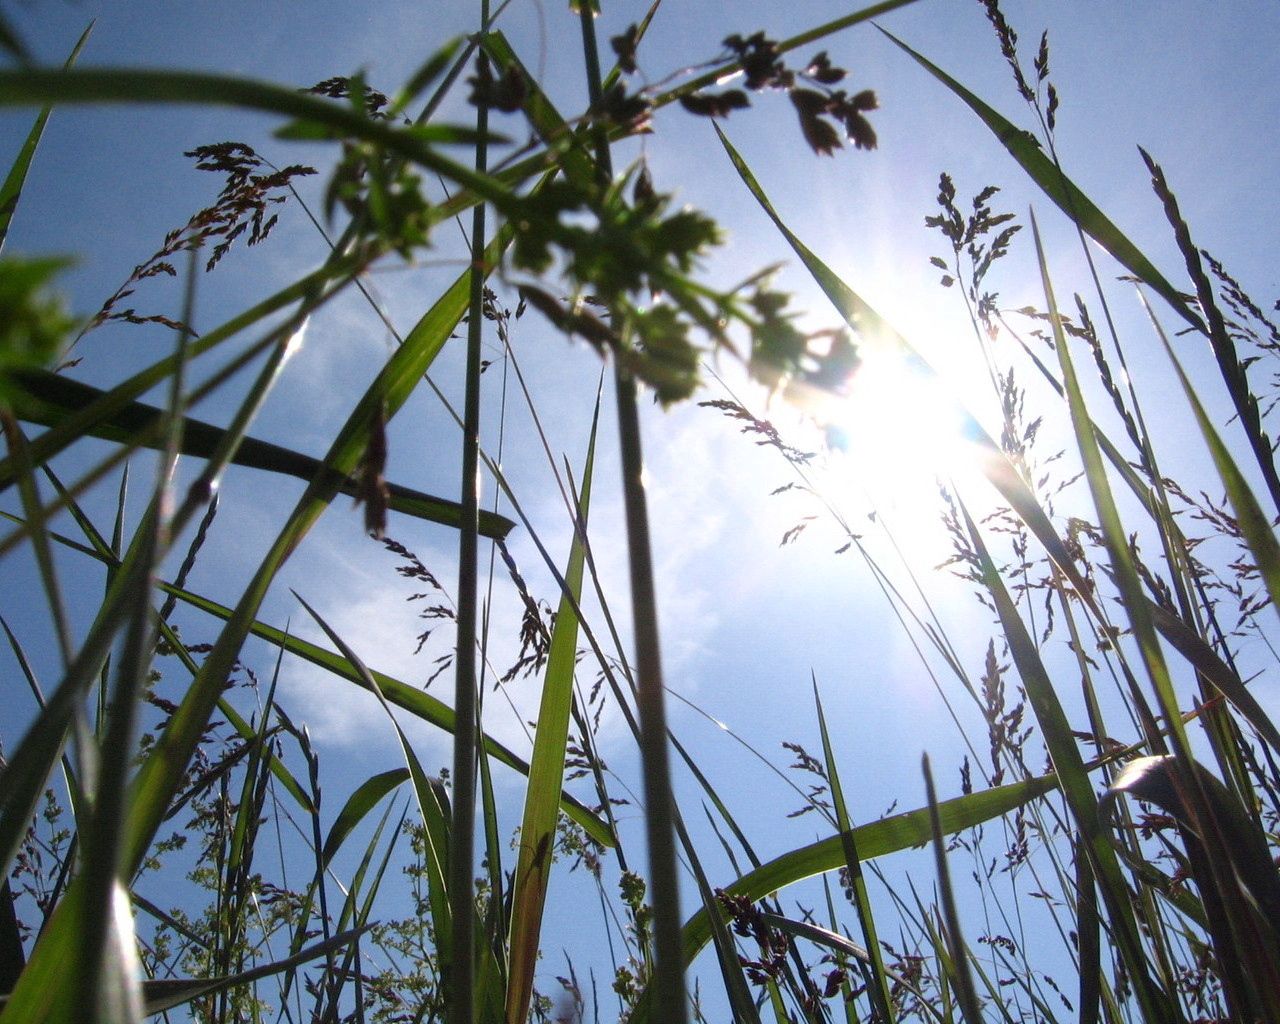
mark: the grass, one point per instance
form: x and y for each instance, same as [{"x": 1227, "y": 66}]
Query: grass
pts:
[{"x": 153, "y": 815}]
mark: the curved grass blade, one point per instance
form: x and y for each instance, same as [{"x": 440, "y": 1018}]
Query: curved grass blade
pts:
[
  {"x": 1025, "y": 149},
  {"x": 314, "y": 117},
  {"x": 11, "y": 190},
  {"x": 49, "y": 398},
  {"x": 863, "y": 318},
  {"x": 364, "y": 799},
  {"x": 435, "y": 818},
  {"x": 168, "y": 993},
  {"x": 875, "y": 839},
  {"x": 546, "y": 766}
]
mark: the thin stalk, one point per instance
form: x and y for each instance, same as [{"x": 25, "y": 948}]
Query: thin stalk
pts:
[
  {"x": 659, "y": 802},
  {"x": 462, "y": 829}
]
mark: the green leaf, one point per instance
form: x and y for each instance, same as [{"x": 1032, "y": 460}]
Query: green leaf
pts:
[
  {"x": 363, "y": 800},
  {"x": 34, "y": 327},
  {"x": 167, "y": 993}
]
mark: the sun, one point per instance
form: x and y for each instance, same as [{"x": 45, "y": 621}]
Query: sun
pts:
[{"x": 896, "y": 433}]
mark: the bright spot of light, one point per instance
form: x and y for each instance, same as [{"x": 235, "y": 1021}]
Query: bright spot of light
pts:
[
  {"x": 294, "y": 344},
  {"x": 896, "y": 434}
]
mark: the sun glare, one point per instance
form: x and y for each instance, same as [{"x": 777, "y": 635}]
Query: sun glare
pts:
[{"x": 894, "y": 435}]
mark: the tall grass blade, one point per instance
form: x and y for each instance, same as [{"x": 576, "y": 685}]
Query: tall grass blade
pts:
[
  {"x": 161, "y": 994},
  {"x": 660, "y": 809},
  {"x": 877, "y": 979},
  {"x": 954, "y": 937},
  {"x": 11, "y": 190},
  {"x": 435, "y": 818},
  {"x": 1078, "y": 207},
  {"x": 459, "y": 979},
  {"x": 1233, "y": 370},
  {"x": 546, "y": 767},
  {"x": 1055, "y": 729},
  {"x": 1254, "y": 524}
]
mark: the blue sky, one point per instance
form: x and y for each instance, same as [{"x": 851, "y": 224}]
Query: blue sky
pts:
[{"x": 744, "y": 620}]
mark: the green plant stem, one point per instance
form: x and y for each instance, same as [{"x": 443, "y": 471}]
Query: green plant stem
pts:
[
  {"x": 462, "y": 829},
  {"x": 664, "y": 879}
]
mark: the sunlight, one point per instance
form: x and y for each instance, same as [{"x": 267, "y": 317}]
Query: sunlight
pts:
[{"x": 893, "y": 436}]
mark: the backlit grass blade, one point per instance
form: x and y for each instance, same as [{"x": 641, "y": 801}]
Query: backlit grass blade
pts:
[
  {"x": 1024, "y": 148},
  {"x": 1254, "y": 524},
  {"x": 546, "y": 767},
  {"x": 1126, "y": 577},
  {"x": 878, "y": 981},
  {"x": 50, "y": 398},
  {"x": 1234, "y": 370},
  {"x": 1055, "y": 730},
  {"x": 874, "y": 839},
  {"x": 1193, "y": 647},
  {"x": 11, "y": 190},
  {"x": 960, "y": 974},
  {"x": 435, "y": 820}
]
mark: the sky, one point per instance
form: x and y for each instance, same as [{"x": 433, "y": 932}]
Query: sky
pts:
[{"x": 746, "y": 621}]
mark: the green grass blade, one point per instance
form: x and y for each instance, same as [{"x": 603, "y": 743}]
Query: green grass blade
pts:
[
  {"x": 164, "y": 994},
  {"x": 546, "y": 767},
  {"x": 364, "y": 799},
  {"x": 1056, "y": 732},
  {"x": 435, "y": 818},
  {"x": 874, "y": 839},
  {"x": 959, "y": 956},
  {"x": 878, "y": 980},
  {"x": 863, "y": 318},
  {"x": 1193, "y": 647},
  {"x": 1024, "y": 148},
  {"x": 1254, "y": 524},
  {"x": 1126, "y": 576},
  {"x": 11, "y": 190},
  {"x": 49, "y": 399},
  {"x": 314, "y": 117},
  {"x": 82, "y": 422}
]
